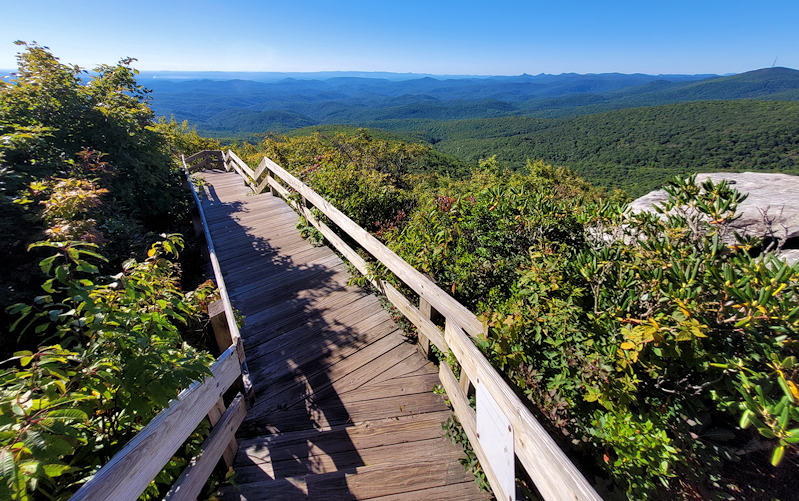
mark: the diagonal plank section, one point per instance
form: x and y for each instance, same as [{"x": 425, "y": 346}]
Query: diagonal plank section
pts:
[{"x": 344, "y": 407}]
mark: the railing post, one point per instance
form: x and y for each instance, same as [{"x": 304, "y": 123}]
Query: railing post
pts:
[
  {"x": 213, "y": 417},
  {"x": 464, "y": 383},
  {"x": 216, "y": 313},
  {"x": 427, "y": 312},
  {"x": 271, "y": 175},
  {"x": 225, "y": 161},
  {"x": 224, "y": 339}
]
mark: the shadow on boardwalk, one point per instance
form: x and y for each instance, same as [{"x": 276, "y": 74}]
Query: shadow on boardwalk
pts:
[{"x": 292, "y": 296}]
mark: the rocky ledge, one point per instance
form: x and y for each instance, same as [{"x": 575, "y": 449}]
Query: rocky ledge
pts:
[{"x": 771, "y": 210}]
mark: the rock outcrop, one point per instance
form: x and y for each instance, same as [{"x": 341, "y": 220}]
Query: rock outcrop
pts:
[{"x": 771, "y": 210}]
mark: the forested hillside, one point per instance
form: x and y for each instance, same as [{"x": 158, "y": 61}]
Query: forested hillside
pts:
[
  {"x": 661, "y": 356},
  {"x": 635, "y": 149},
  {"x": 779, "y": 84},
  {"x": 280, "y": 105}
]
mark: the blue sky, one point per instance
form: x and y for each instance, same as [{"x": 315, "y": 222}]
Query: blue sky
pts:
[{"x": 489, "y": 37}]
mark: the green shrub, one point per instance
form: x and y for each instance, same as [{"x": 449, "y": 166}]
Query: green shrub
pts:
[
  {"x": 658, "y": 344},
  {"x": 66, "y": 408}
]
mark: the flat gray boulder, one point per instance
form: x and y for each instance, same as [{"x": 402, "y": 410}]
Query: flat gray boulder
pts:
[{"x": 771, "y": 210}]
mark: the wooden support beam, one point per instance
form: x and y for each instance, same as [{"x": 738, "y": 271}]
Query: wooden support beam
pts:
[
  {"x": 464, "y": 383},
  {"x": 213, "y": 417},
  {"x": 219, "y": 324},
  {"x": 243, "y": 167},
  {"x": 190, "y": 483},
  {"x": 218, "y": 315},
  {"x": 426, "y": 312}
]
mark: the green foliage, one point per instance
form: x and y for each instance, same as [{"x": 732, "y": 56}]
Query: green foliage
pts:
[
  {"x": 642, "y": 450},
  {"x": 636, "y": 149},
  {"x": 182, "y": 139},
  {"x": 653, "y": 342},
  {"x": 98, "y": 351},
  {"x": 454, "y": 431},
  {"x": 655, "y": 330},
  {"x": 86, "y": 150},
  {"x": 65, "y": 409}
]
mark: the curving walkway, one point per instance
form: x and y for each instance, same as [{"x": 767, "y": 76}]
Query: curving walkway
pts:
[{"x": 344, "y": 408}]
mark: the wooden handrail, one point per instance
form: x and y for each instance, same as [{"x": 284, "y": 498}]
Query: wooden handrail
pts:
[
  {"x": 132, "y": 469},
  {"x": 555, "y": 476},
  {"x": 220, "y": 280},
  {"x": 423, "y": 286}
]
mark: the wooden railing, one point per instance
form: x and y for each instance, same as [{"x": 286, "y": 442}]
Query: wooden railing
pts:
[
  {"x": 132, "y": 469},
  {"x": 554, "y": 475}
]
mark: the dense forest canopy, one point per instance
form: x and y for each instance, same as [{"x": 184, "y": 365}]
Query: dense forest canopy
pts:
[
  {"x": 279, "y": 105},
  {"x": 615, "y": 130},
  {"x": 636, "y": 149}
]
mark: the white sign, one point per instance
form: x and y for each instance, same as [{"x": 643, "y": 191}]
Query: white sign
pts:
[{"x": 496, "y": 438}]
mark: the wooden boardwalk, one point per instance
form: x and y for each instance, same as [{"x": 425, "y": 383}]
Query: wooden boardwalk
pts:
[{"x": 344, "y": 407}]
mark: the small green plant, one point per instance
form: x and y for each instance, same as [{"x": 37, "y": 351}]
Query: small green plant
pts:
[
  {"x": 455, "y": 433},
  {"x": 309, "y": 232}
]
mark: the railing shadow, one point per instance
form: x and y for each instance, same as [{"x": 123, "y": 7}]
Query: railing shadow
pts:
[{"x": 289, "y": 293}]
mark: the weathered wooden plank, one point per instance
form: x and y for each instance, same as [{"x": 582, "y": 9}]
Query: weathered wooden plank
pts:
[
  {"x": 337, "y": 413},
  {"x": 314, "y": 350},
  {"x": 301, "y": 301},
  {"x": 346, "y": 376},
  {"x": 311, "y": 326},
  {"x": 276, "y": 319},
  {"x": 267, "y": 273},
  {"x": 465, "y": 491},
  {"x": 266, "y": 210},
  {"x": 188, "y": 486},
  {"x": 265, "y": 278},
  {"x": 274, "y": 251},
  {"x": 426, "y": 313},
  {"x": 279, "y": 447},
  {"x": 555, "y": 476},
  {"x": 327, "y": 352},
  {"x": 411, "y": 365},
  {"x": 321, "y": 281},
  {"x": 411, "y": 473},
  {"x": 214, "y": 415},
  {"x": 305, "y": 459},
  {"x": 403, "y": 385},
  {"x": 129, "y": 472},
  {"x": 262, "y": 209}
]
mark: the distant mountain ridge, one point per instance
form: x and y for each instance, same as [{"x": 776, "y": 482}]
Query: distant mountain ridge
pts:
[{"x": 351, "y": 98}]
